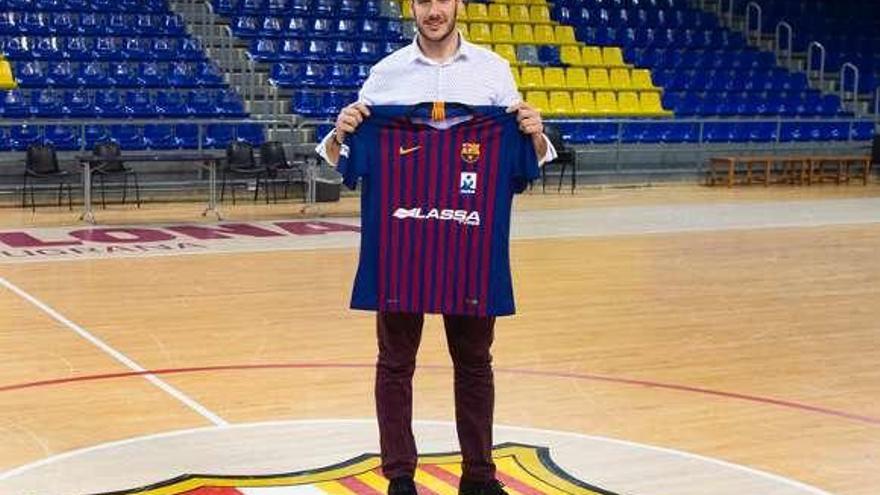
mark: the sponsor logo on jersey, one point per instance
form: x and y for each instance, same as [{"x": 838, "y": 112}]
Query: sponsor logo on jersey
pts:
[
  {"x": 405, "y": 151},
  {"x": 461, "y": 216},
  {"x": 468, "y": 183}
]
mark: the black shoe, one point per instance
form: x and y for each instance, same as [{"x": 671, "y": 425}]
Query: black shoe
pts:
[
  {"x": 403, "y": 485},
  {"x": 493, "y": 487}
]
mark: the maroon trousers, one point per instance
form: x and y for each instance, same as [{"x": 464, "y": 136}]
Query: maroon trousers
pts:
[{"x": 469, "y": 339}]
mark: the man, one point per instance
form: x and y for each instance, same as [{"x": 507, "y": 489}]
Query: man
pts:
[{"x": 438, "y": 66}]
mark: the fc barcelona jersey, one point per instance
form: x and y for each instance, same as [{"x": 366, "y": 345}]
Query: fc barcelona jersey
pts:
[{"x": 435, "y": 208}]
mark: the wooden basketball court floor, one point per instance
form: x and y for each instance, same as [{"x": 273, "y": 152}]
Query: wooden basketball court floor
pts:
[{"x": 755, "y": 343}]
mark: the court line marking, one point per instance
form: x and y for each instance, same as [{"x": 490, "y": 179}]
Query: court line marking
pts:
[
  {"x": 371, "y": 424},
  {"x": 515, "y": 371},
  {"x": 117, "y": 355}
]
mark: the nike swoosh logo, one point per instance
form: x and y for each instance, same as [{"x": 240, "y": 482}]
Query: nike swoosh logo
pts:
[{"x": 406, "y": 151}]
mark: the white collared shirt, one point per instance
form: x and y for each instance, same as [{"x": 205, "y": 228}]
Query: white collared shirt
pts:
[{"x": 473, "y": 76}]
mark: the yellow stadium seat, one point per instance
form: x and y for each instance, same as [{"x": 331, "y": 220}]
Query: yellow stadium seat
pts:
[
  {"x": 515, "y": 72},
  {"x": 619, "y": 78},
  {"x": 7, "y": 81},
  {"x": 507, "y": 52},
  {"x": 501, "y": 33},
  {"x": 464, "y": 30},
  {"x": 606, "y": 103},
  {"x": 519, "y": 13},
  {"x": 480, "y": 33},
  {"x": 477, "y": 12},
  {"x": 406, "y": 12},
  {"x": 560, "y": 103},
  {"x": 544, "y": 35},
  {"x": 565, "y": 35},
  {"x": 554, "y": 78},
  {"x": 498, "y": 12},
  {"x": 591, "y": 56},
  {"x": 641, "y": 79},
  {"x": 570, "y": 55},
  {"x": 598, "y": 78},
  {"x": 531, "y": 77},
  {"x": 583, "y": 102},
  {"x": 576, "y": 78},
  {"x": 612, "y": 56},
  {"x": 538, "y": 99},
  {"x": 539, "y": 14},
  {"x": 522, "y": 33},
  {"x": 649, "y": 102},
  {"x": 628, "y": 103}
]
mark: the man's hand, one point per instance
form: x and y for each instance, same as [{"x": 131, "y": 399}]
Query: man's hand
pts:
[
  {"x": 530, "y": 123},
  {"x": 349, "y": 119},
  {"x": 346, "y": 122}
]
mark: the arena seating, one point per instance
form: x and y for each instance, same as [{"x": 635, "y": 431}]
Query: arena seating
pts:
[{"x": 86, "y": 59}]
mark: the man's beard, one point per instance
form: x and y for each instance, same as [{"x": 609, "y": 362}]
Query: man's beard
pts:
[{"x": 446, "y": 35}]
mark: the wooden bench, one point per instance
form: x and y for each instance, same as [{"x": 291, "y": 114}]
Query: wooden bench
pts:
[{"x": 787, "y": 169}]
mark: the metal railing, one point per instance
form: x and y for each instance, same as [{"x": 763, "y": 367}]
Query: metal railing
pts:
[
  {"x": 777, "y": 48},
  {"x": 751, "y": 8},
  {"x": 855, "y": 87},
  {"x": 821, "y": 73}
]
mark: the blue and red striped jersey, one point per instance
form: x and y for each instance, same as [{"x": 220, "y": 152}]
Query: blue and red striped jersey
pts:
[{"x": 435, "y": 208}]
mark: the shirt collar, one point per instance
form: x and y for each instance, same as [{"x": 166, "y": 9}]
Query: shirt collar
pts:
[{"x": 465, "y": 50}]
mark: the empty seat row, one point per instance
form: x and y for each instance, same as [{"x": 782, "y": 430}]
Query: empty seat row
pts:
[
  {"x": 619, "y": 4},
  {"x": 116, "y": 104},
  {"x": 100, "y": 48},
  {"x": 662, "y": 58},
  {"x": 66, "y": 74},
  {"x": 318, "y": 27},
  {"x": 480, "y": 32},
  {"x": 131, "y": 6},
  {"x": 313, "y": 75},
  {"x": 320, "y": 104},
  {"x": 499, "y": 12},
  {"x": 759, "y": 80},
  {"x": 635, "y": 18},
  {"x": 580, "y": 78},
  {"x": 326, "y": 8},
  {"x": 661, "y": 38},
  {"x": 295, "y": 50},
  {"x": 715, "y": 132},
  {"x": 90, "y": 23},
  {"x": 130, "y": 137},
  {"x": 597, "y": 104},
  {"x": 734, "y": 104}
]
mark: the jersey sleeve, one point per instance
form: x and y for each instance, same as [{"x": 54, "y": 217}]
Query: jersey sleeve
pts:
[
  {"x": 525, "y": 165},
  {"x": 354, "y": 157}
]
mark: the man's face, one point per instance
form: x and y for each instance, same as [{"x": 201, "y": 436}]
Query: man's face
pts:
[{"x": 435, "y": 19}]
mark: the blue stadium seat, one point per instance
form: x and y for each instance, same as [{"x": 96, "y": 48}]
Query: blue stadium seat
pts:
[
  {"x": 307, "y": 103},
  {"x": 229, "y": 104},
  {"x": 46, "y": 103},
  {"x": 187, "y": 135},
  {"x": 139, "y": 104},
  {"x": 22, "y": 136},
  {"x": 160, "y": 137},
  {"x": 285, "y": 75},
  {"x": 200, "y": 104},
  {"x": 14, "y": 105},
  {"x": 264, "y": 50},
  {"x": 292, "y": 50},
  {"x": 181, "y": 75},
  {"x": 251, "y": 133},
  {"x": 219, "y": 135},
  {"x": 108, "y": 103},
  {"x": 122, "y": 75},
  {"x": 151, "y": 75},
  {"x": 129, "y": 137},
  {"x": 171, "y": 104},
  {"x": 78, "y": 104},
  {"x": 64, "y": 138}
]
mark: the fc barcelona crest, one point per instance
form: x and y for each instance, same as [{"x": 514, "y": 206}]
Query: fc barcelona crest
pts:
[
  {"x": 524, "y": 469},
  {"x": 470, "y": 152}
]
